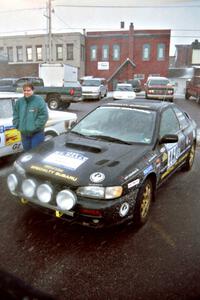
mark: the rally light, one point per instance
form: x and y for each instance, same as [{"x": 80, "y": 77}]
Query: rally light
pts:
[
  {"x": 66, "y": 200},
  {"x": 19, "y": 168},
  {"x": 28, "y": 188},
  {"x": 44, "y": 193},
  {"x": 12, "y": 182}
]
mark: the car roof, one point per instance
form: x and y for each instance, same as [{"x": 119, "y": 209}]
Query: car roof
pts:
[
  {"x": 128, "y": 84},
  {"x": 157, "y": 77},
  {"x": 141, "y": 104},
  {"x": 9, "y": 95}
]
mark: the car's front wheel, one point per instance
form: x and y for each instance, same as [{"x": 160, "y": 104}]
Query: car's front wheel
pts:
[
  {"x": 190, "y": 159},
  {"x": 143, "y": 203}
]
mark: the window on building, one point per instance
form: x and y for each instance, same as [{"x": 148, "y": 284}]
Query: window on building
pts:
[
  {"x": 161, "y": 52},
  {"x": 116, "y": 52},
  {"x": 105, "y": 52},
  {"x": 38, "y": 52},
  {"x": 59, "y": 52},
  {"x": 29, "y": 53},
  {"x": 10, "y": 53},
  {"x": 93, "y": 53},
  {"x": 19, "y": 53},
  {"x": 82, "y": 53},
  {"x": 70, "y": 51},
  {"x": 146, "y": 52}
]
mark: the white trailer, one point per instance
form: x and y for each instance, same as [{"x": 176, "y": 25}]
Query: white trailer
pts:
[{"x": 56, "y": 75}]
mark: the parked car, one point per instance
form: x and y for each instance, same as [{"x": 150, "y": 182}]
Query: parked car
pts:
[
  {"x": 107, "y": 169},
  {"x": 10, "y": 138},
  {"x": 159, "y": 88},
  {"x": 94, "y": 88},
  {"x": 124, "y": 91},
  {"x": 193, "y": 88},
  {"x": 56, "y": 97},
  {"x": 136, "y": 84},
  {"x": 8, "y": 84}
]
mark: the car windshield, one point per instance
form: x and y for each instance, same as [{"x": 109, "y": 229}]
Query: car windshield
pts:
[
  {"x": 128, "y": 125},
  {"x": 6, "y": 110},
  {"x": 91, "y": 83},
  {"x": 124, "y": 88},
  {"x": 158, "y": 82}
]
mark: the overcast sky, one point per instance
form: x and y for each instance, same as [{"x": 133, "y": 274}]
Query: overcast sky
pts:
[{"x": 29, "y": 16}]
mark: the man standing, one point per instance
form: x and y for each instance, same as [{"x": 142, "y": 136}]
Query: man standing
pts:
[{"x": 30, "y": 115}]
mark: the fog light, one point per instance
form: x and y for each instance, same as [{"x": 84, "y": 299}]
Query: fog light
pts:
[
  {"x": 28, "y": 188},
  {"x": 12, "y": 182},
  {"x": 124, "y": 209},
  {"x": 66, "y": 200},
  {"x": 44, "y": 193}
]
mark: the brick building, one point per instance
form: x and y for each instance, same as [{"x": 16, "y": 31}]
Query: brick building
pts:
[
  {"x": 187, "y": 55},
  {"x": 126, "y": 54}
]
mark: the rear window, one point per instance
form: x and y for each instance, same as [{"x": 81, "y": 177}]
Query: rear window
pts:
[
  {"x": 6, "y": 82},
  {"x": 158, "y": 82},
  {"x": 91, "y": 83}
]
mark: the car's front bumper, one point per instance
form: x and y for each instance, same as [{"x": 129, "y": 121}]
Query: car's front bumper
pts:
[{"x": 89, "y": 212}]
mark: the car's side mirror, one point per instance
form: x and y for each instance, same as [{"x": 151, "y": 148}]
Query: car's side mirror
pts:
[{"x": 168, "y": 138}]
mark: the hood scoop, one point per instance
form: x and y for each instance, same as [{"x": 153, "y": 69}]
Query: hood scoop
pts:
[{"x": 84, "y": 147}]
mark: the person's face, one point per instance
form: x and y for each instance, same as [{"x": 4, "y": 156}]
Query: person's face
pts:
[{"x": 27, "y": 92}]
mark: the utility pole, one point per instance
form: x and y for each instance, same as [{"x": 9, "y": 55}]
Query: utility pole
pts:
[{"x": 49, "y": 31}]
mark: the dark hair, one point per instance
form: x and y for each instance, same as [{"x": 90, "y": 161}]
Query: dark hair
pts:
[{"x": 28, "y": 85}]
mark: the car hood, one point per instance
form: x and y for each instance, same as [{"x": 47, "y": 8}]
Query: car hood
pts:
[{"x": 74, "y": 160}]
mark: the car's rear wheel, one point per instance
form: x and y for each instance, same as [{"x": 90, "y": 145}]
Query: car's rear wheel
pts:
[
  {"x": 53, "y": 102},
  {"x": 49, "y": 135},
  {"x": 190, "y": 159},
  {"x": 143, "y": 203},
  {"x": 187, "y": 96}
]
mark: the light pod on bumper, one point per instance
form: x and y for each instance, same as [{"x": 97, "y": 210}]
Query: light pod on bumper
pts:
[
  {"x": 44, "y": 193},
  {"x": 12, "y": 182},
  {"x": 66, "y": 199},
  {"x": 28, "y": 188}
]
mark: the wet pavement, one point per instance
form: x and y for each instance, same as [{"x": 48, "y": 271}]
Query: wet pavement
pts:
[{"x": 161, "y": 260}]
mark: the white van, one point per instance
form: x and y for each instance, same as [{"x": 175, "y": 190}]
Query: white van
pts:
[
  {"x": 93, "y": 88},
  {"x": 10, "y": 138}
]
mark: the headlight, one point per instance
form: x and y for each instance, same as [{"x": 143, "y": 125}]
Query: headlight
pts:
[
  {"x": 19, "y": 168},
  {"x": 100, "y": 192},
  {"x": 44, "y": 193},
  {"x": 28, "y": 188},
  {"x": 12, "y": 182},
  {"x": 66, "y": 200}
]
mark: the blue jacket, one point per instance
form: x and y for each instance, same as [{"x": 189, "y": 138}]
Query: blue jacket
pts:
[{"x": 30, "y": 114}]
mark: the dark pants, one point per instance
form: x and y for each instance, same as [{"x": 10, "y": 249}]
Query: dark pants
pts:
[{"x": 33, "y": 140}]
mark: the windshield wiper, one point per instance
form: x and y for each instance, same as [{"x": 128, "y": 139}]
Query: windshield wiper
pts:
[
  {"x": 110, "y": 139},
  {"x": 78, "y": 133}
]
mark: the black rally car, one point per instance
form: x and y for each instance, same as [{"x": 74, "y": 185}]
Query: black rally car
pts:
[{"x": 107, "y": 168}]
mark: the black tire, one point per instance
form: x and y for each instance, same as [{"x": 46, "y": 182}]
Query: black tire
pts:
[
  {"x": 143, "y": 203},
  {"x": 187, "y": 96},
  {"x": 53, "y": 102},
  {"x": 190, "y": 159},
  {"x": 49, "y": 135}
]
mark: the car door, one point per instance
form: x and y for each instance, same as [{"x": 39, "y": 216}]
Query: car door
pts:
[
  {"x": 10, "y": 138},
  {"x": 172, "y": 153}
]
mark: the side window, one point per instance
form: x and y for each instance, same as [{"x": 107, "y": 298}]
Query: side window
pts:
[
  {"x": 146, "y": 52},
  {"x": 181, "y": 117},
  {"x": 116, "y": 52},
  {"x": 93, "y": 53},
  {"x": 160, "y": 51},
  {"x": 169, "y": 123}
]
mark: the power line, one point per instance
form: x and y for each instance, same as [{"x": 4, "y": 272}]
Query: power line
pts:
[{"x": 126, "y": 6}]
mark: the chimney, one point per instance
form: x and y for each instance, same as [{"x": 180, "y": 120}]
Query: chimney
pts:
[{"x": 122, "y": 24}]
